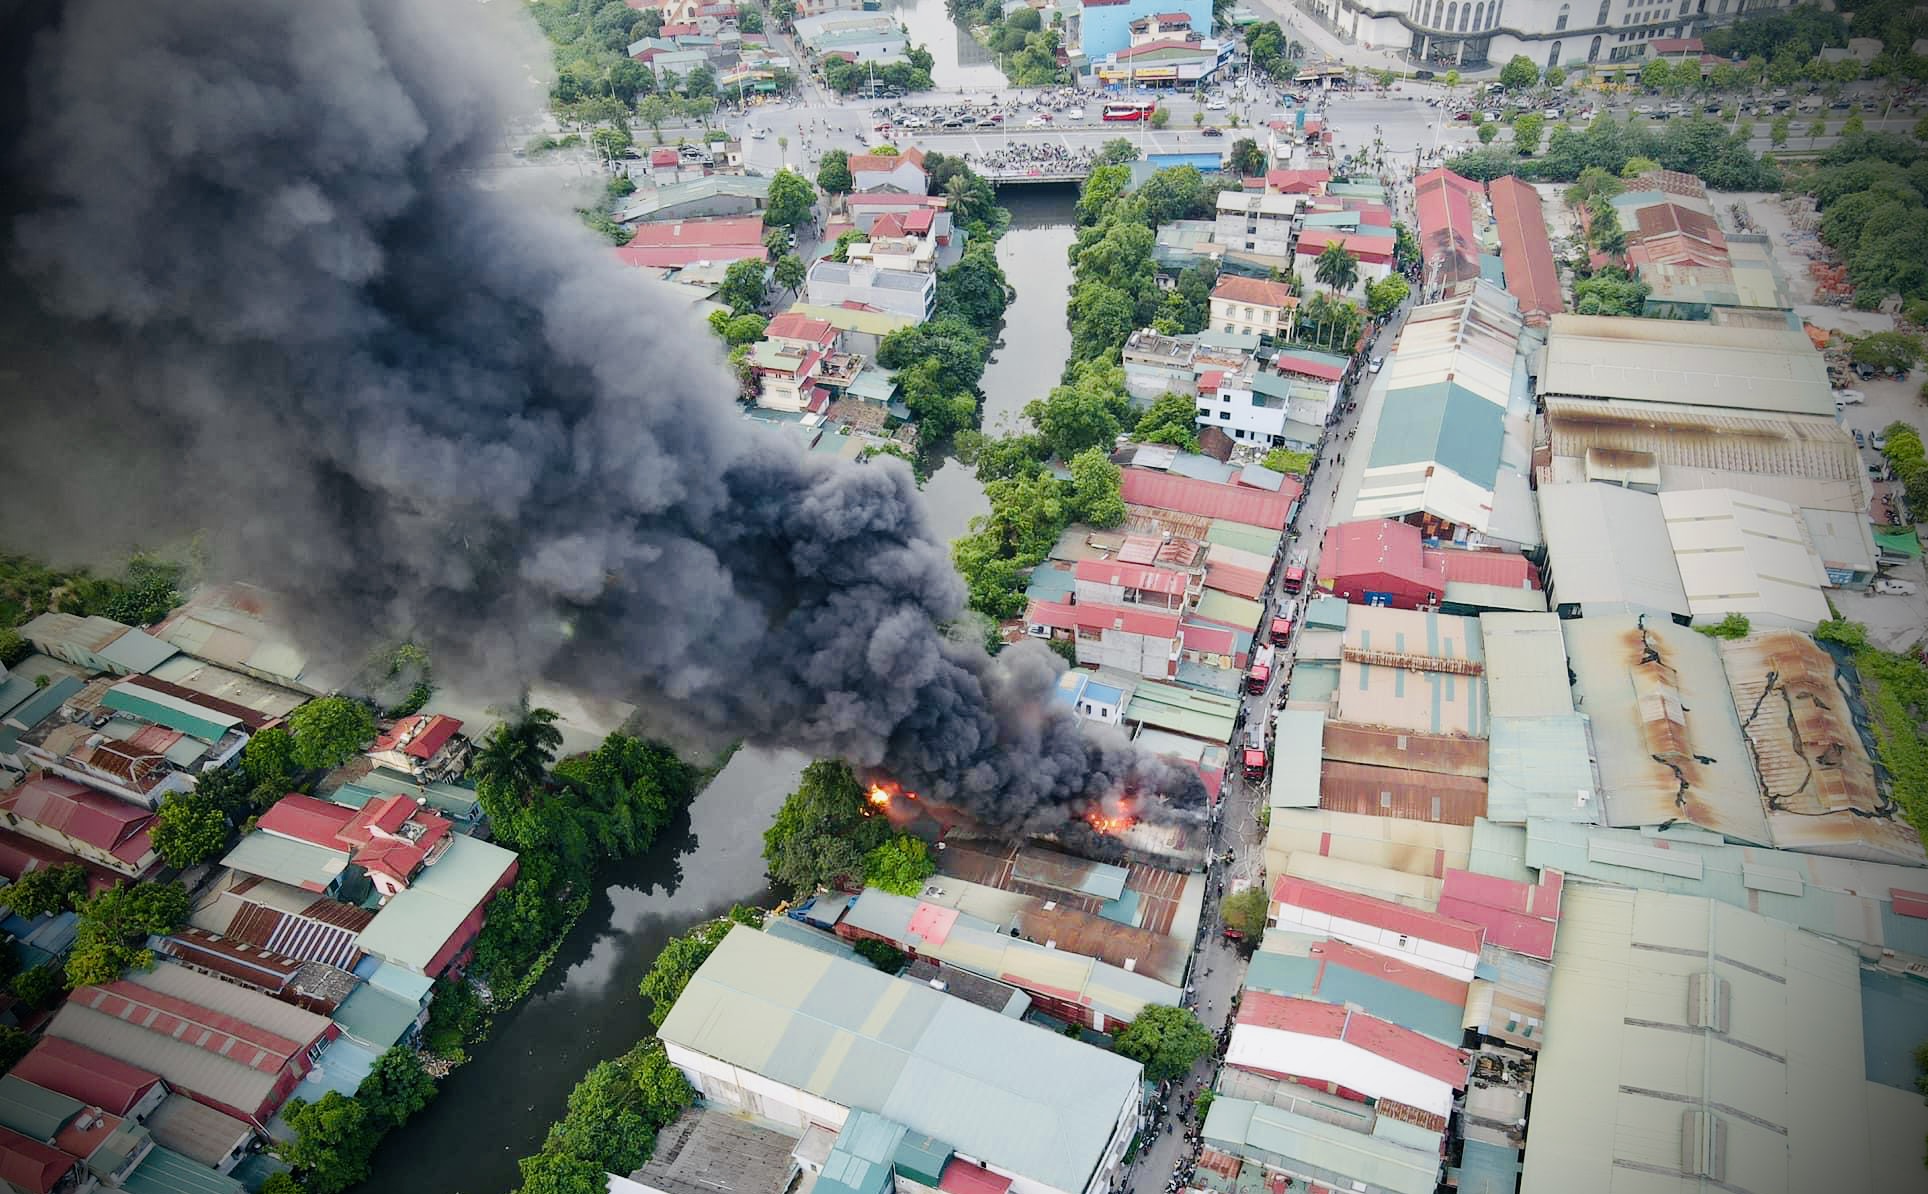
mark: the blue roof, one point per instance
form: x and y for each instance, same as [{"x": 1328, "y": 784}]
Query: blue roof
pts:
[
  {"x": 860, "y": 1160},
  {"x": 394, "y": 979},
  {"x": 35, "y": 709},
  {"x": 1326, "y": 612},
  {"x": 376, "y": 1017},
  {"x": 1308, "y": 977},
  {"x": 164, "y": 1171},
  {"x": 1050, "y": 584},
  {"x": 13, "y": 692},
  {"x": 1488, "y": 1168},
  {"x": 1103, "y": 692},
  {"x": 803, "y": 934},
  {"x": 1893, "y": 1009},
  {"x": 1123, "y": 910}
]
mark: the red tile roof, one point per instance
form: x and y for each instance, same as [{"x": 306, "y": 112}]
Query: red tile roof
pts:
[
  {"x": 719, "y": 230},
  {"x": 792, "y": 326},
  {"x": 889, "y": 224},
  {"x": 31, "y": 1166},
  {"x": 431, "y": 732},
  {"x": 1446, "y": 241},
  {"x": 80, "y": 1073},
  {"x": 1518, "y": 916},
  {"x": 663, "y": 157},
  {"x": 1208, "y": 638},
  {"x": 919, "y": 220},
  {"x": 1210, "y": 380},
  {"x": 1484, "y": 567},
  {"x": 892, "y": 199},
  {"x": 1331, "y": 1021},
  {"x": 1291, "y": 362},
  {"x": 962, "y": 1177},
  {"x": 114, "y": 826},
  {"x": 306, "y": 819},
  {"x": 884, "y": 163},
  {"x": 1208, "y": 499},
  {"x": 1297, "y": 182},
  {"x": 1248, "y": 583},
  {"x": 1256, "y": 291},
  {"x": 1381, "y": 914},
  {"x": 20, "y": 855},
  {"x": 1090, "y": 615},
  {"x": 213, "y": 1032},
  {"x": 1131, "y": 576},
  {"x": 677, "y": 256},
  {"x": 1531, "y": 275},
  {"x": 1375, "y": 250}
]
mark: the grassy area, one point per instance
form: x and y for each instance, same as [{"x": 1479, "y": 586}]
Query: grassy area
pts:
[{"x": 1895, "y": 687}]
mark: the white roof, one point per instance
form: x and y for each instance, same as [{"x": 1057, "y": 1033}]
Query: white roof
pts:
[
  {"x": 1738, "y": 553},
  {"x": 1526, "y": 665},
  {"x": 1298, "y": 740},
  {"x": 1683, "y": 1021},
  {"x": 1699, "y": 364},
  {"x": 1607, "y": 550}
]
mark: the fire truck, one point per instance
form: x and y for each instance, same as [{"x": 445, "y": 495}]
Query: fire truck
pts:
[
  {"x": 1281, "y": 631},
  {"x": 1295, "y": 574},
  {"x": 1254, "y": 753},
  {"x": 1261, "y": 671}
]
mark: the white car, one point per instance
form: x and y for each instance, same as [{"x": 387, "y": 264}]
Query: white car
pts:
[
  {"x": 1878, "y": 441},
  {"x": 1377, "y": 364},
  {"x": 1214, "y": 105},
  {"x": 759, "y": 134},
  {"x": 1037, "y": 122},
  {"x": 1850, "y": 397},
  {"x": 1895, "y": 588},
  {"x": 1075, "y": 114}
]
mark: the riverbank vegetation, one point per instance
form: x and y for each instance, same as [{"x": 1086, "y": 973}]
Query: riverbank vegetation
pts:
[
  {"x": 610, "y": 1123},
  {"x": 146, "y": 588},
  {"x": 824, "y": 831},
  {"x": 1895, "y": 689},
  {"x": 1027, "y": 51}
]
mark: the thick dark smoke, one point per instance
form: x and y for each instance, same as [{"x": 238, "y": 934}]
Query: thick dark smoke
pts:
[{"x": 253, "y": 284}]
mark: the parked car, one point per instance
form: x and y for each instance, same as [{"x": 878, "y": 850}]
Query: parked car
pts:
[
  {"x": 1895, "y": 588},
  {"x": 1212, "y": 130},
  {"x": 1859, "y": 440},
  {"x": 1377, "y": 364},
  {"x": 1850, "y": 397},
  {"x": 758, "y": 134},
  {"x": 1215, "y": 104},
  {"x": 1075, "y": 114},
  {"x": 1037, "y": 122},
  {"x": 1878, "y": 441}
]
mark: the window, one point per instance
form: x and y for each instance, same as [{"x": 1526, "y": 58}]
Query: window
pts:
[
  {"x": 1465, "y": 13},
  {"x": 1553, "y": 56},
  {"x": 1559, "y": 22},
  {"x": 1452, "y": 14},
  {"x": 1204, "y": 412},
  {"x": 1602, "y": 18},
  {"x": 1225, "y": 416},
  {"x": 1479, "y": 15},
  {"x": 1493, "y": 14}
]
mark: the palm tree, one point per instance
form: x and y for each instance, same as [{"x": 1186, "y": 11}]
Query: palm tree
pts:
[
  {"x": 517, "y": 753},
  {"x": 1336, "y": 269}
]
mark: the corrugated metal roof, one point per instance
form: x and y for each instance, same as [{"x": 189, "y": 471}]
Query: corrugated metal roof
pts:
[
  {"x": 1413, "y": 847},
  {"x": 136, "y": 651},
  {"x": 35, "y": 709},
  {"x": 416, "y": 922},
  {"x": 1378, "y": 913},
  {"x": 1323, "y": 1152},
  {"x": 163, "y": 708},
  {"x": 1028, "y": 1101},
  {"x": 81, "y": 1073},
  {"x": 1665, "y": 732},
  {"x": 1526, "y": 665},
  {"x": 1297, "y": 738},
  {"x": 1531, "y": 275},
  {"x": 1699, "y": 1018},
  {"x": 1742, "y": 553},
  {"x": 1698, "y": 364},
  {"x": 1378, "y": 746},
  {"x": 309, "y": 867},
  {"x": 1394, "y": 792},
  {"x": 1817, "y": 779},
  {"x": 164, "y": 1171},
  {"x": 1255, "y": 540},
  {"x": 34, "y": 1111},
  {"x": 1542, "y": 767},
  {"x": 1205, "y": 716},
  {"x": 1334, "y": 972},
  {"x": 1241, "y": 504},
  {"x": 1607, "y": 550}
]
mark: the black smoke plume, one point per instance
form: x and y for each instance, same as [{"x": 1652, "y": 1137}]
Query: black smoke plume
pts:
[{"x": 255, "y": 281}]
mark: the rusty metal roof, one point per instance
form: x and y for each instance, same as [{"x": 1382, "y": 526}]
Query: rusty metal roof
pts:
[
  {"x": 1377, "y": 746},
  {"x": 1408, "y": 795},
  {"x": 1817, "y": 778}
]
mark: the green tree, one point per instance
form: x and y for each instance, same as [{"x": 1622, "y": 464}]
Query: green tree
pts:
[
  {"x": 1733, "y": 626},
  {"x": 14, "y": 1045},
  {"x": 974, "y": 290},
  {"x": 189, "y": 829},
  {"x": 734, "y": 330},
  {"x": 1384, "y": 296},
  {"x": 1486, "y": 132},
  {"x": 1609, "y": 292},
  {"x": 1656, "y": 74},
  {"x": 1167, "y": 1041},
  {"x": 745, "y": 284},
  {"x": 114, "y": 925},
  {"x": 515, "y": 754},
  {"x": 46, "y": 890},
  {"x": 833, "y": 172},
  {"x": 1817, "y": 130},
  {"x": 1160, "y": 117},
  {"x": 1887, "y": 351},
  {"x": 789, "y": 272},
  {"x": 557, "y": 1173},
  {"x": 824, "y": 829},
  {"x": 1527, "y": 128},
  {"x": 900, "y": 865},
  {"x": 1289, "y": 461},
  {"x": 1171, "y": 419},
  {"x": 881, "y": 954},
  {"x": 1519, "y": 73},
  {"x": 1095, "y": 490},
  {"x": 1853, "y": 126},
  {"x": 683, "y": 956},
  {"x": 792, "y": 200},
  {"x": 270, "y": 755},
  {"x": 334, "y": 1140},
  {"x": 1555, "y": 76},
  {"x": 1246, "y": 158},
  {"x": 1778, "y": 131},
  {"x": 1074, "y": 417},
  {"x": 330, "y": 730},
  {"x": 1336, "y": 268},
  {"x": 1245, "y": 910},
  {"x": 40, "y": 987},
  {"x": 624, "y": 793},
  {"x": 397, "y": 1086},
  {"x": 1104, "y": 185}
]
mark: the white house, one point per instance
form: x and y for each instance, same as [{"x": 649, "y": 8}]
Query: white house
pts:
[
  {"x": 1110, "y": 582},
  {"x": 905, "y": 292},
  {"x": 889, "y": 173},
  {"x": 1142, "y": 642},
  {"x": 1256, "y": 222}
]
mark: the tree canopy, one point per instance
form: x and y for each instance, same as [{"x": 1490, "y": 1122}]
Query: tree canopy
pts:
[
  {"x": 1519, "y": 73},
  {"x": 1167, "y": 1041},
  {"x": 330, "y": 730},
  {"x": 833, "y": 172},
  {"x": 1170, "y": 419},
  {"x": 47, "y": 890},
  {"x": 1245, "y": 909},
  {"x": 114, "y": 926},
  {"x": 792, "y": 200},
  {"x": 683, "y": 956},
  {"x": 823, "y": 831},
  {"x": 900, "y": 865},
  {"x": 334, "y": 1139},
  {"x": 189, "y": 828}
]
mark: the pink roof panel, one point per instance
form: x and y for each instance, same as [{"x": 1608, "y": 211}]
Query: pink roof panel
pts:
[
  {"x": 932, "y": 922},
  {"x": 304, "y": 818},
  {"x": 1208, "y": 499},
  {"x": 1382, "y": 914},
  {"x": 1131, "y": 576}
]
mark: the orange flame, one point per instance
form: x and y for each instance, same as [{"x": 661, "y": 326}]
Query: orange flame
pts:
[
  {"x": 880, "y": 796},
  {"x": 1115, "y": 821}
]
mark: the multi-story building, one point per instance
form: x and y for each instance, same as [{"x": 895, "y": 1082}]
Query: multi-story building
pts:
[
  {"x": 1099, "y": 28},
  {"x": 1256, "y": 222},
  {"x": 1452, "y": 33},
  {"x": 906, "y": 292},
  {"x": 1252, "y": 306}
]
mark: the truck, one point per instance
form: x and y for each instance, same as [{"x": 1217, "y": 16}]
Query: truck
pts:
[
  {"x": 1295, "y": 573},
  {"x": 1253, "y": 753},
  {"x": 1281, "y": 631},
  {"x": 1260, "y": 673}
]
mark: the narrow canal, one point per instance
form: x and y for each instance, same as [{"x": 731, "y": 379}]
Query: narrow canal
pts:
[
  {"x": 1032, "y": 345},
  {"x": 497, "y": 1108}
]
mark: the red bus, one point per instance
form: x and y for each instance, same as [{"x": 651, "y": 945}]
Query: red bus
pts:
[{"x": 1130, "y": 109}]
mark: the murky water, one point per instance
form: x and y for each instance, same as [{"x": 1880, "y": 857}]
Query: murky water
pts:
[
  {"x": 961, "y": 64},
  {"x": 496, "y": 1109}
]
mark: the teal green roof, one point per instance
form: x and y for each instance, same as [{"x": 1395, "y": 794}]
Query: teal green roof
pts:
[
  {"x": 1440, "y": 423},
  {"x": 1329, "y": 1154},
  {"x": 1326, "y": 612},
  {"x": 1183, "y": 711},
  {"x": 164, "y": 1171},
  {"x": 165, "y": 709},
  {"x": 1215, "y": 606},
  {"x": 34, "y": 1110},
  {"x": 34, "y": 709},
  {"x": 804, "y": 935},
  {"x": 14, "y": 690},
  {"x": 414, "y": 925},
  {"x": 285, "y": 860},
  {"x": 1308, "y": 977},
  {"x": 1245, "y": 538},
  {"x": 457, "y": 800},
  {"x": 859, "y": 1162},
  {"x": 376, "y": 1017},
  {"x": 921, "y": 1158},
  {"x": 1488, "y": 1168}
]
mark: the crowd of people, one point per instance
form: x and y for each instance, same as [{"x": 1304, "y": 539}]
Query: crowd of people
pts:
[{"x": 1035, "y": 159}]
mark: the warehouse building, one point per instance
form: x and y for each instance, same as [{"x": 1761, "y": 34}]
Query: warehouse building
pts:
[
  {"x": 1607, "y": 552},
  {"x": 1739, "y": 553},
  {"x": 1693, "y": 364},
  {"x": 805, "y": 1041}
]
